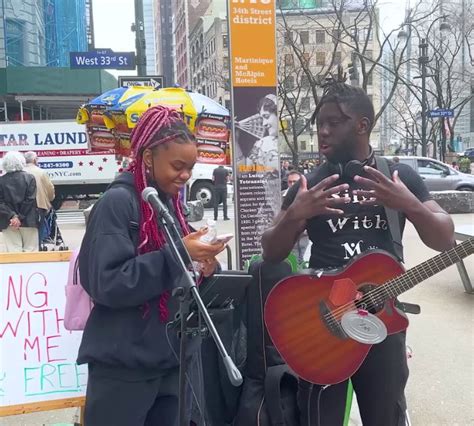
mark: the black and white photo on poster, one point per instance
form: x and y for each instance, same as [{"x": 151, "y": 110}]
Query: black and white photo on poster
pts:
[{"x": 256, "y": 162}]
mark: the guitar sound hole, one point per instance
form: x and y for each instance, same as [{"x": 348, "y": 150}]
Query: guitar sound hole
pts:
[{"x": 371, "y": 301}]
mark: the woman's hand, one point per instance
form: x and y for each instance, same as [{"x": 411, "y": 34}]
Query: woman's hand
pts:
[
  {"x": 198, "y": 250},
  {"x": 208, "y": 266}
]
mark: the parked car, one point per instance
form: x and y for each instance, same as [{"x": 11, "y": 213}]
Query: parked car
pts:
[
  {"x": 469, "y": 153},
  {"x": 439, "y": 176}
]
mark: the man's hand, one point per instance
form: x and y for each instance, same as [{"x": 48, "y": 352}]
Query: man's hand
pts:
[
  {"x": 197, "y": 249},
  {"x": 319, "y": 199},
  {"x": 379, "y": 189},
  {"x": 15, "y": 222}
]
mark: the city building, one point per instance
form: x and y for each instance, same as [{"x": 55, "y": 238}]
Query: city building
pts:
[
  {"x": 36, "y": 33},
  {"x": 209, "y": 56},
  {"x": 312, "y": 44},
  {"x": 150, "y": 13},
  {"x": 36, "y": 38},
  {"x": 164, "y": 41}
]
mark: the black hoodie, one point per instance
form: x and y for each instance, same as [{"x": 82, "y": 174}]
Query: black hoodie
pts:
[{"x": 124, "y": 333}]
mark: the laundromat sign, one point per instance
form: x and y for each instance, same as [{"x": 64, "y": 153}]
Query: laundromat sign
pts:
[{"x": 39, "y": 136}]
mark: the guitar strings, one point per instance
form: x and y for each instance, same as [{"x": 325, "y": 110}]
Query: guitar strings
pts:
[{"x": 377, "y": 296}]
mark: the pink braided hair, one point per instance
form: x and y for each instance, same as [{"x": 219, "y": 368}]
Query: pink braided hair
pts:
[{"x": 146, "y": 135}]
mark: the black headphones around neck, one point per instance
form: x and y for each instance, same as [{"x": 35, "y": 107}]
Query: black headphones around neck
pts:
[{"x": 351, "y": 168}]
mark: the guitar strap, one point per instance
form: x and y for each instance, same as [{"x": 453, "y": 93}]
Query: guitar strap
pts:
[{"x": 392, "y": 215}]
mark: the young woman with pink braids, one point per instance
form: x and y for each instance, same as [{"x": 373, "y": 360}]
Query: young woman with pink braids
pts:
[{"x": 129, "y": 271}]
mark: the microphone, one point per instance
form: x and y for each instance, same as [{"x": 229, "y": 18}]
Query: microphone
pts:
[{"x": 150, "y": 195}]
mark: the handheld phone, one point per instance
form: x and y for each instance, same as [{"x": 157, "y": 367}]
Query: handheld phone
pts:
[{"x": 224, "y": 239}]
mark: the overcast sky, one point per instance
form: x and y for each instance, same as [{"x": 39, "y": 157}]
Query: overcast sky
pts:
[{"x": 113, "y": 19}]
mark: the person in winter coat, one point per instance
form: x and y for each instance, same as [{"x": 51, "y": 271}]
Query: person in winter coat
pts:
[
  {"x": 18, "y": 212},
  {"x": 128, "y": 269}
]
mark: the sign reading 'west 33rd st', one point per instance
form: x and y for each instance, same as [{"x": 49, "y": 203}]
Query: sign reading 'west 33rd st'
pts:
[{"x": 102, "y": 59}]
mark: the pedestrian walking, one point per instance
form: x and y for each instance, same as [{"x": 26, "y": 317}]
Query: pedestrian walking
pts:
[
  {"x": 220, "y": 177},
  {"x": 18, "y": 205}
]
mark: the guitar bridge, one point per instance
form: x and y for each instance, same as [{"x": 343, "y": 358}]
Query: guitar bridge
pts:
[{"x": 330, "y": 321}]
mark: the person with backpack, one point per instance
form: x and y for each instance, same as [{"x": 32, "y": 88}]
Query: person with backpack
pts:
[
  {"x": 129, "y": 271},
  {"x": 344, "y": 205}
]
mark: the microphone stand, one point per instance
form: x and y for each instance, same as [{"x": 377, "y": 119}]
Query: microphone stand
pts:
[{"x": 184, "y": 293}]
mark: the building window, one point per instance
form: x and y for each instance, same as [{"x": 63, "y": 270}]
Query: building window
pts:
[
  {"x": 304, "y": 37},
  {"x": 320, "y": 36},
  {"x": 369, "y": 79},
  {"x": 303, "y": 145},
  {"x": 306, "y": 57},
  {"x": 320, "y": 59},
  {"x": 289, "y": 60},
  {"x": 225, "y": 44},
  {"x": 368, "y": 54},
  {"x": 305, "y": 103},
  {"x": 336, "y": 35},
  {"x": 305, "y": 82},
  {"x": 337, "y": 58},
  {"x": 289, "y": 82},
  {"x": 15, "y": 46},
  {"x": 289, "y": 38}
]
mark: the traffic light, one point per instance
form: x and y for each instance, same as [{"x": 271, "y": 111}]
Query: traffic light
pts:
[{"x": 353, "y": 70}]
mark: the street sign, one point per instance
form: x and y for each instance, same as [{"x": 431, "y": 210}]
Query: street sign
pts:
[
  {"x": 441, "y": 113},
  {"x": 153, "y": 81},
  {"x": 102, "y": 59}
]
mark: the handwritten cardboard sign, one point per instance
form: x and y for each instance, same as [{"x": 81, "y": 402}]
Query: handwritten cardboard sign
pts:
[{"x": 37, "y": 354}]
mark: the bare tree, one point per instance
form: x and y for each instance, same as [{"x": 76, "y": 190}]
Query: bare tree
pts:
[
  {"x": 353, "y": 31},
  {"x": 448, "y": 81}
]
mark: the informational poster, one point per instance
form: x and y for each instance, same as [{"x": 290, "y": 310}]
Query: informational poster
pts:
[
  {"x": 255, "y": 121},
  {"x": 37, "y": 354}
]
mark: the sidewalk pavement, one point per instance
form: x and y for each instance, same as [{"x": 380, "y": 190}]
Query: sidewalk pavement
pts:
[{"x": 440, "y": 389}]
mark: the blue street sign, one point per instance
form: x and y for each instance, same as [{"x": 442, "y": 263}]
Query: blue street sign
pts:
[
  {"x": 102, "y": 59},
  {"x": 441, "y": 112}
]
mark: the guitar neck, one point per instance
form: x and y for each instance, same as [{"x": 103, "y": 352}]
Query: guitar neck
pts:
[{"x": 430, "y": 267}]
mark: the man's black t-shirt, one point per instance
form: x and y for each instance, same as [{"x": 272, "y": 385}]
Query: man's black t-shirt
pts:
[
  {"x": 220, "y": 175},
  {"x": 336, "y": 239}
]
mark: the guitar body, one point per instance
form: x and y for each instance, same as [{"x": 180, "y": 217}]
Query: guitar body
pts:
[{"x": 297, "y": 309}]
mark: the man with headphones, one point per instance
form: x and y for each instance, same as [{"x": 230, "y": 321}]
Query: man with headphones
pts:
[{"x": 342, "y": 205}]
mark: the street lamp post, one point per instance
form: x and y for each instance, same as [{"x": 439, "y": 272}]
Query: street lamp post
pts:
[{"x": 423, "y": 60}]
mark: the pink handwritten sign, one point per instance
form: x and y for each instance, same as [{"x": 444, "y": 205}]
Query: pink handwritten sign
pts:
[{"x": 37, "y": 354}]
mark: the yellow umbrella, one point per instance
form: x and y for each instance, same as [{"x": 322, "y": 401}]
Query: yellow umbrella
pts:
[{"x": 173, "y": 97}]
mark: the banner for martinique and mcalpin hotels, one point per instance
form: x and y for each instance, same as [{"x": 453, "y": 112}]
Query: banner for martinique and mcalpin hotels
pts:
[{"x": 252, "y": 34}]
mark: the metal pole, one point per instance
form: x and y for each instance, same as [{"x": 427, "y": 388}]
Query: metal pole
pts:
[
  {"x": 21, "y": 110},
  {"x": 5, "y": 110},
  {"x": 423, "y": 59},
  {"x": 139, "y": 38}
]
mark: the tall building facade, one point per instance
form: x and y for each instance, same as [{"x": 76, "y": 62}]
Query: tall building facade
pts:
[
  {"x": 41, "y": 33},
  {"x": 163, "y": 24},
  {"x": 209, "y": 56},
  {"x": 150, "y": 10},
  {"x": 322, "y": 42}
]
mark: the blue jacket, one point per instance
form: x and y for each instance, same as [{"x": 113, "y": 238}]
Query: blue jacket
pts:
[{"x": 120, "y": 334}]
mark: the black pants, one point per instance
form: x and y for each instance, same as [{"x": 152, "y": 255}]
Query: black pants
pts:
[
  {"x": 379, "y": 385},
  {"x": 115, "y": 402},
  {"x": 220, "y": 196}
]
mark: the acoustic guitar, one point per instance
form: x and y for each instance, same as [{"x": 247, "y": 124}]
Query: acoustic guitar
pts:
[{"x": 306, "y": 314}]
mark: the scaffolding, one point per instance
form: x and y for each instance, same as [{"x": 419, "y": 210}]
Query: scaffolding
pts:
[{"x": 65, "y": 30}]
